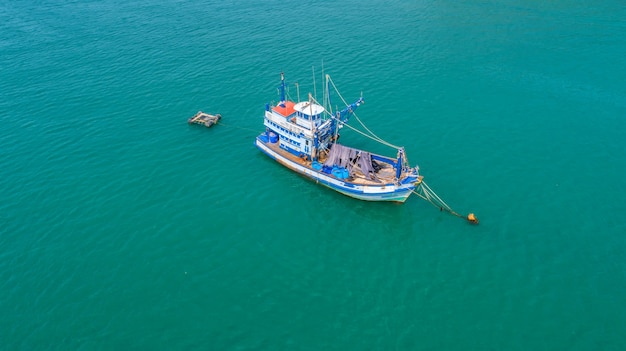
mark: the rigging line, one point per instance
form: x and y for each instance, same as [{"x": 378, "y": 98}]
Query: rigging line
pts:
[
  {"x": 367, "y": 136},
  {"x": 376, "y": 137},
  {"x": 337, "y": 90},
  {"x": 372, "y": 133}
]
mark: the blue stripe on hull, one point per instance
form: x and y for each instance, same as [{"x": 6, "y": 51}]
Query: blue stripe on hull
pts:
[{"x": 398, "y": 195}]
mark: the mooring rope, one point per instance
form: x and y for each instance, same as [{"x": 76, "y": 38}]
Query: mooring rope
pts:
[
  {"x": 238, "y": 127},
  {"x": 429, "y": 195},
  {"x": 442, "y": 203}
]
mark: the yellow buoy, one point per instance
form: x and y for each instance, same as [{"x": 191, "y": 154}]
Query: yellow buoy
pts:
[{"x": 472, "y": 219}]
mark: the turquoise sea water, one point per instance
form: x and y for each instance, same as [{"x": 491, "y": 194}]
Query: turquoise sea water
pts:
[{"x": 121, "y": 227}]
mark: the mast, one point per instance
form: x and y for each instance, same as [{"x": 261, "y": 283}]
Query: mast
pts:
[
  {"x": 327, "y": 96},
  {"x": 344, "y": 115},
  {"x": 282, "y": 89},
  {"x": 313, "y": 129},
  {"x": 298, "y": 90},
  {"x": 324, "y": 89},
  {"x": 336, "y": 121},
  {"x": 399, "y": 162},
  {"x": 314, "y": 88},
  {"x": 315, "y": 144}
]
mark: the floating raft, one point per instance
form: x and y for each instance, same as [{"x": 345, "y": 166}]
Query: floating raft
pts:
[{"x": 205, "y": 119}]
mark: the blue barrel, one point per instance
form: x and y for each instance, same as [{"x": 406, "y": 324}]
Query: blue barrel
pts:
[
  {"x": 316, "y": 165},
  {"x": 344, "y": 174},
  {"x": 340, "y": 172}
]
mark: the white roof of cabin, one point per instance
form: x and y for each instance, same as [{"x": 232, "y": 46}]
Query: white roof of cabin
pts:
[{"x": 308, "y": 108}]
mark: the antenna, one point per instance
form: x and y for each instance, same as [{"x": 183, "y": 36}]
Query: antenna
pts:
[
  {"x": 282, "y": 89},
  {"x": 314, "y": 89},
  {"x": 298, "y": 90},
  {"x": 324, "y": 89},
  {"x": 330, "y": 103}
]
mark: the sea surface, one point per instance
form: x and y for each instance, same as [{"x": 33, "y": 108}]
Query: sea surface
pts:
[{"x": 124, "y": 228}]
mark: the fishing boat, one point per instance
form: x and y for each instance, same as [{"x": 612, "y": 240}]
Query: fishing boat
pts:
[{"x": 303, "y": 136}]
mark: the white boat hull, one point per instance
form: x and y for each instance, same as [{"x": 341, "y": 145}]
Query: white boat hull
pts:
[{"x": 380, "y": 192}]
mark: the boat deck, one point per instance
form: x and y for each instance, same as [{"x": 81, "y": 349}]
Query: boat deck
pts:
[
  {"x": 204, "y": 119},
  {"x": 386, "y": 174}
]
